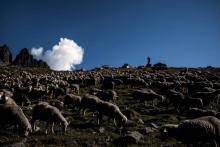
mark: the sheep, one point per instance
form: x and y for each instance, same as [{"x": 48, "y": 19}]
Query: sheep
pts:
[
  {"x": 49, "y": 114},
  {"x": 56, "y": 91},
  {"x": 89, "y": 102},
  {"x": 200, "y": 130},
  {"x": 107, "y": 95},
  {"x": 13, "y": 115},
  {"x": 71, "y": 99},
  {"x": 195, "y": 113},
  {"x": 93, "y": 103},
  {"x": 147, "y": 95},
  {"x": 136, "y": 82},
  {"x": 111, "y": 110},
  {"x": 207, "y": 97},
  {"x": 177, "y": 99},
  {"x": 192, "y": 102}
]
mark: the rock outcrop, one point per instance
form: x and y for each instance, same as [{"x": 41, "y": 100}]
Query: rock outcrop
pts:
[
  {"x": 26, "y": 60},
  {"x": 5, "y": 55}
]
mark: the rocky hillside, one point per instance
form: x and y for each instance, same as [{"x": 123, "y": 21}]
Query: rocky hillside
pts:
[
  {"x": 27, "y": 60},
  {"x": 23, "y": 59}
]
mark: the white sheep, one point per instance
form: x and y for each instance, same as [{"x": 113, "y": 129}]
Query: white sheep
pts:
[
  {"x": 110, "y": 110},
  {"x": 50, "y": 114}
]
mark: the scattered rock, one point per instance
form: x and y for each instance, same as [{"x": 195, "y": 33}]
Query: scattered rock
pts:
[{"x": 130, "y": 138}]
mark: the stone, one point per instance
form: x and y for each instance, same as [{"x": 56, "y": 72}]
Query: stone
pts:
[{"x": 5, "y": 55}]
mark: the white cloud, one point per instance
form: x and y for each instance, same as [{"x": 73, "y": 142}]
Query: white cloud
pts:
[
  {"x": 63, "y": 56},
  {"x": 37, "y": 52}
]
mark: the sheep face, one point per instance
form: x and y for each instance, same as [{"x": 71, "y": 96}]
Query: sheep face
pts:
[{"x": 3, "y": 99}]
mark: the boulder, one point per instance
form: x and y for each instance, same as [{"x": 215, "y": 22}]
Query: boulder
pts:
[
  {"x": 130, "y": 138},
  {"x": 5, "y": 55}
]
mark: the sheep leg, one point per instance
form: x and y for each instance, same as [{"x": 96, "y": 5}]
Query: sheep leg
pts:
[
  {"x": 26, "y": 132},
  {"x": 99, "y": 118},
  {"x": 84, "y": 112},
  {"x": 33, "y": 124},
  {"x": 52, "y": 130},
  {"x": 214, "y": 143},
  {"x": 47, "y": 126},
  {"x": 115, "y": 123}
]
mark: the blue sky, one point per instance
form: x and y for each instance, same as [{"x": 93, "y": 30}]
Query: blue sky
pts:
[{"x": 114, "y": 32}]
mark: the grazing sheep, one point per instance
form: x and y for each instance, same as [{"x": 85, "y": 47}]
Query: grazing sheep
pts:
[
  {"x": 147, "y": 95},
  {"x": 13, "y": 115},
  {"x": 195, "y": 113},
  {"x": 50, "y": 114},
  {"x": 107, "y": 95},
  {"x": 177, "y": 99},
  {"x": 207, "y": 97},
  {"x": 89, "y": 102},
  {"x": 111, "y": 110},
  {"x": 56, "y": 91},
  {"x": 200, "y": 130},
  {"x": 192, "y": 102},
  {"x": 72, "y": 100}
]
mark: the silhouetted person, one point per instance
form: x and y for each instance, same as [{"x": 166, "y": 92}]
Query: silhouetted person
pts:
[{"x": 148, "y": 62}]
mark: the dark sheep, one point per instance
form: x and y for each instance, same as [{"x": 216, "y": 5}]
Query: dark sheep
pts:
[
  {"x": 108, "y": 96},
  {"x": 72, "y": 101},
  {"x": 12, "y": 115},
  {"x": 200, "y": 130},
  {"x": 196, "y": 112}
]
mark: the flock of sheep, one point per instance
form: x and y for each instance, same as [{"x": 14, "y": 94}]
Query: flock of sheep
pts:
[{"x": 48, "y": 95}]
